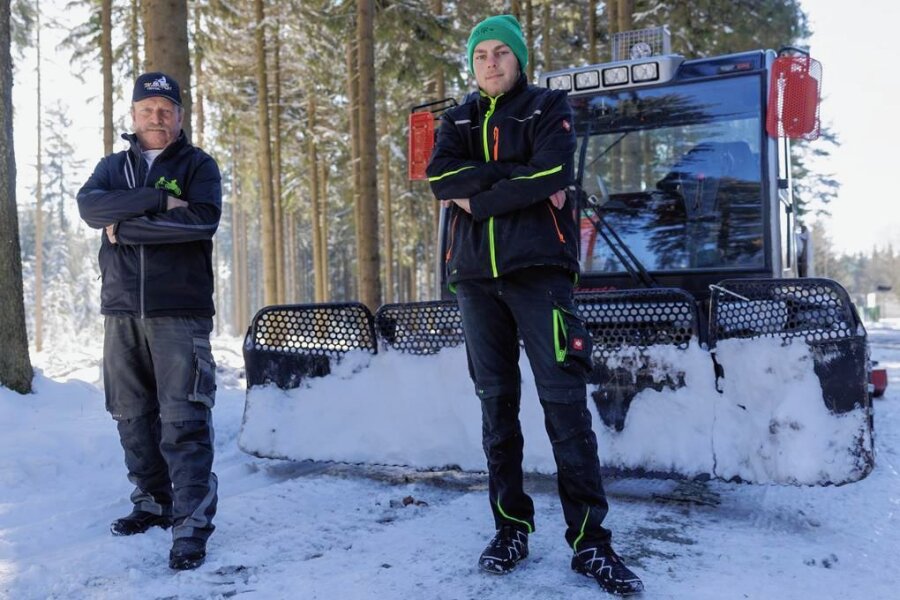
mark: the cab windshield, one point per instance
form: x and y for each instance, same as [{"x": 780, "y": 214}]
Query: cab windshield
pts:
[{"x": 676, "y": 172}]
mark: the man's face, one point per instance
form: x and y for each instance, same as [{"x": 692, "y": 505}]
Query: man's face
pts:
[
  {"x": 157, "y": 122},
  {"x": 496, "y": 67}
]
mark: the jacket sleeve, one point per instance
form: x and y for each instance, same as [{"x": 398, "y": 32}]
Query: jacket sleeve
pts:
[
  {"x": 197, "y": 221},
  {"x": 452, "y": 173},
  {"x": 550, "y": 169},
  {"x": 100, "y": 205}
]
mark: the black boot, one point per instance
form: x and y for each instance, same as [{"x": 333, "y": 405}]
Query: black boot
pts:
[
  {"x": 139, "y": 521},
  {"x": 602, "y": 564},
  {"x": 187, "y": 553},
  {"x": 509, "y": 546}
]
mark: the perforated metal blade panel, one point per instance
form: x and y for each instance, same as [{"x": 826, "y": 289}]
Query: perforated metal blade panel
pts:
[
  {"x": 323, "y": 329},
  {"x": 421, "y": 327},
  {"x": 817, "y": 310},
  {"x": 638, "y": 318},
  {"x": 287, "y": 344}
]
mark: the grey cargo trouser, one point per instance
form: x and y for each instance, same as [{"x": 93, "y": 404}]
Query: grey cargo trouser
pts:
[{"x": 159, "y": 379}]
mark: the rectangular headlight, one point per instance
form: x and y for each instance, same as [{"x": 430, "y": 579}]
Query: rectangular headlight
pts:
[
  {"x": 560, "y": 82},
  {"x": 645, "y": 72},
  {"x": 615, "y": 76},
  {"x": 587, "y": 80}
]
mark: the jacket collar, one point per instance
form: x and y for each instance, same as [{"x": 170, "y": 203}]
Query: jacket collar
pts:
[
  {"x": 518, "y": 87},
  {"x": 179, "y": 143}
]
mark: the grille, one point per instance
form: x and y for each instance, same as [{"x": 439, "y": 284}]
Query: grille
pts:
[
  {"x": 816, "y": 310},
  {"x": 638, "y": 318},
  {"x": 324, "y": 330},
  {"x": 422, "y": 328}
]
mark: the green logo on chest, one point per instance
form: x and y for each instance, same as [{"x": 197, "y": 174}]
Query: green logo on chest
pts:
[{"x": 170, "y": 186}]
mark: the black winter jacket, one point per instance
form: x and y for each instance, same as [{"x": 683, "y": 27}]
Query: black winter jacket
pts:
[
  {"x": 161, "y": 264},
  {"x": 507, "y": 155}
]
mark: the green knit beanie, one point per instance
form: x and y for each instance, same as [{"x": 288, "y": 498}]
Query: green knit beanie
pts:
[{"x": 504, "y": 28}]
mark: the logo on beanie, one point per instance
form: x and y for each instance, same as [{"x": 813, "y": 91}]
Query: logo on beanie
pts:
[{"x": 158, "y": 85}]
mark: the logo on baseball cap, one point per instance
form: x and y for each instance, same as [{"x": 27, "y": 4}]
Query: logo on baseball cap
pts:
[{"x": 156, "y": 84}]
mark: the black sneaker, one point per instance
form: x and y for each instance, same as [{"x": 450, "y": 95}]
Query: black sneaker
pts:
[
  {"x": 138, "y": 521},
  {"x": 509, "y": 546},
  {"x": 605, "y": 566},
  {"x": 187, "y": 553}
]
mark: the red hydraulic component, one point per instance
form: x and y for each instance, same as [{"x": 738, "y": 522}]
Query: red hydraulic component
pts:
[
  {"x": 421, "y": 142},
  {"x": 794, "y": 94},
  {"x": 879, "y": 382}
]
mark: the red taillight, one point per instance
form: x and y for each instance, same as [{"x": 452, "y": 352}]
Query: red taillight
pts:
[
  {"x": 421, "y": 142},
  {"x": 879, "y": 382},
  {"x": 794, "y": 93}
]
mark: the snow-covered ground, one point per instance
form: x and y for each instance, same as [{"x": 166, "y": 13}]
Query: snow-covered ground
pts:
[{"x": 338, "y": 531}]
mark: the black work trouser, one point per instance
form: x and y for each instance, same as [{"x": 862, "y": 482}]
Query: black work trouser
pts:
[
  {"x": 538, "y": 304},
  {"x": 159, "y": 380}
]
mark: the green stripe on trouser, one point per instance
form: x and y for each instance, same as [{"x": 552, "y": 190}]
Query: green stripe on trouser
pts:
[{"x": 509, "y": 518}]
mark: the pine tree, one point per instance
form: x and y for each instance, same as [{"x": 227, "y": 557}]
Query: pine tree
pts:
[{"x": 15, "y": 365}]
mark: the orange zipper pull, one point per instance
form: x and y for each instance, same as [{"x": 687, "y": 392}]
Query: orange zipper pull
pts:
[{"x": 496, "y": 142}]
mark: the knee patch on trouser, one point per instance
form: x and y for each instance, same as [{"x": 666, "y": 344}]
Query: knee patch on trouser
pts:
[
  {"x": 500, "y": 428},
  {"x": 566, "y": 420}
]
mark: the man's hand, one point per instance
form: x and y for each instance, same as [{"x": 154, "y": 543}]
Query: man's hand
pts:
[
  {"x": 174, "y": 202},
  {"x": 463, "y": 203},
  {"x": 558, "y": 199},
  {"x": 111, "y": 233}
]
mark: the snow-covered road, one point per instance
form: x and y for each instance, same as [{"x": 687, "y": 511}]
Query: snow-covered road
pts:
[{"x": 331, "y": 531}]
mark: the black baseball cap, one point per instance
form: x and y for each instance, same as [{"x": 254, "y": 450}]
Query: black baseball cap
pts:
[{"x": 156, "y": 84}]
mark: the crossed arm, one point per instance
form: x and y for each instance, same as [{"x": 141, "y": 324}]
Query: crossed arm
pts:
[
  {"x": 491, "y": 188},
  {"x": 152, "y": 216}
]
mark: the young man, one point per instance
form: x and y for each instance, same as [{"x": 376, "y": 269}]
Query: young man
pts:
[
  {"x": 501, "y": 163},
  {"x": 158, "y": 205}
]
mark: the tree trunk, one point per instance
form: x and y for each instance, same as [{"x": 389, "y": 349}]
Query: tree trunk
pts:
[
  {"x": 199, "y": 80},
  {"x": 529, "y": 32},
  {"x": 612, "y": 8},
  {"x": 290, "y": 228},
  {"x": 134, "y": 35},
  {"x": 353, "y": 117},
  {"x": 39, "y": 201},
  {"x": 281, "y": 286},
  {"x": 314, "y": 217},
  {"x": 388, "y": 216},
  {"x": 166, "y": 46},
  {"x": 324, "y": 228},
  {"x": 238, "y": 253},
  {"x": 369, "y": 280},
  {"x": 106, "y": 61},
  {"x": 433, "y": 234},
  {"x": 264, "y": 155},
  {"x": 15, "y": 365},
  {"x": 626, "y": 15},
  {"x": 546, "y": 40},
  {"x": 593, "y": 56}
]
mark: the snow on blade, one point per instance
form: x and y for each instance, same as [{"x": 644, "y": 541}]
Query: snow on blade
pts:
[
  {"x": 769, "y": 426},
  {"x": 772, "y": 425}
]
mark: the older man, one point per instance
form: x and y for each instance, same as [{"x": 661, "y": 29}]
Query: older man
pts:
[
  {"x": 158, "y": 205},
  {"x": 501, "y": 163}
]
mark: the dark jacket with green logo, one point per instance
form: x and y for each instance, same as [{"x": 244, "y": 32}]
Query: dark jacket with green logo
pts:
[
  {"x": 161, "y": 264},
  {"x": 507, "y": 155}
]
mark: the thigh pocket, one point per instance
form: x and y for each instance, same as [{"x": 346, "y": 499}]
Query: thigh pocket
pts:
[
  {"x": 572, "y": 343},
  {"x": 203, "y": 389}
]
